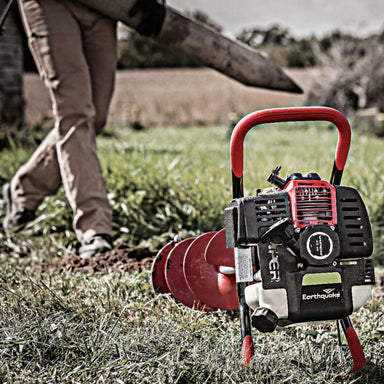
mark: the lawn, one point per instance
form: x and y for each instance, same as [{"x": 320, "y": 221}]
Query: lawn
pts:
[{"x": 61, "y": 325}]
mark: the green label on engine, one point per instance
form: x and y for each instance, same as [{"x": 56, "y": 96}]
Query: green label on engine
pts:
[{"x": 321, "y": 278}]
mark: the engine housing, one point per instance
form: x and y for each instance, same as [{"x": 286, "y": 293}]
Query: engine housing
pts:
[{"x": 311, "y": 243}]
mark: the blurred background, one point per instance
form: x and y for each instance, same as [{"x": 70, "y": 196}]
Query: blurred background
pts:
[{"x": 333, "y": 50}]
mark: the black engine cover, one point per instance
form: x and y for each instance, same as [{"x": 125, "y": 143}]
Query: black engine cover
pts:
[
  {"x": 247, "y": 219},
  {"x": 317, "y": 259},
  {"x": 314, "y": 293},
  {"x": 354, "y": 228}
]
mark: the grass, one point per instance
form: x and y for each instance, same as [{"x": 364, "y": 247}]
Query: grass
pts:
[{"x": 63, "y": 327}]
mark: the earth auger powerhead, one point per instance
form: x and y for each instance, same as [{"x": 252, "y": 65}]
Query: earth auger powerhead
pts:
[{"x": 295, "y": 252}]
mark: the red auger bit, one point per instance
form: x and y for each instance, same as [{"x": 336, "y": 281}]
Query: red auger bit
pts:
[
  {"x": 293, "y": 253},
  {"x": 175, "y": 278},
  {"x": 159, "y": 283},
  {"x": 208, "y": 283},
  {"x": 218, "y": 254},
  {"x": 181, "y": 268}
]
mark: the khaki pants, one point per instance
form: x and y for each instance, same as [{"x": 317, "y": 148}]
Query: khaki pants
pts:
[{"x": 75, "y": 51}]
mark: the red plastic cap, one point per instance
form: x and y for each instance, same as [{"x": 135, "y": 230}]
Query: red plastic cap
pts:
[{"x": 247, "y": 351}]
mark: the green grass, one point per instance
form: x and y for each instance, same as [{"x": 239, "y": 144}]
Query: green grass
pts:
[{"x": 63, "y": 327}]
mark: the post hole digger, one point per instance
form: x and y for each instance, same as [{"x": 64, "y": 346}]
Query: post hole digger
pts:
[{"x": 295, "y": 252}]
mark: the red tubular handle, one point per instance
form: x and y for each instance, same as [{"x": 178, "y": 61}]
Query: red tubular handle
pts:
[{"x": 290, "y": 114}]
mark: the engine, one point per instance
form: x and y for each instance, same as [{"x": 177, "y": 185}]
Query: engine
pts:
[{"x": 309, "y": 243}]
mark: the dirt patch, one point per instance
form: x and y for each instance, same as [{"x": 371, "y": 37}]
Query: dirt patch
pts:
[{"x": 124, "y": 258}]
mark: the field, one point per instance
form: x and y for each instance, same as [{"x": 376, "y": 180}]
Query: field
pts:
[
  {"x": 63, "y": 321},
  {"x": 175, "y": 96}
]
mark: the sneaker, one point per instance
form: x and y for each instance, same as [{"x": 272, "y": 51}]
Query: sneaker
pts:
[
  {"x": 97, "y": 244},
  {"x": 15, "y": 218}
]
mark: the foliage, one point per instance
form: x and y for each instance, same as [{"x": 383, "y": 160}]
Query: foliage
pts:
[
  {"x": 137, "y": 51},
  {"x": 280, "y": 45},
  {"x": 60, "y": 326},
  {"x": 26, "y": 137},
  {"x": 353, "y": 73},
  {"x": 176, "y": 181}
]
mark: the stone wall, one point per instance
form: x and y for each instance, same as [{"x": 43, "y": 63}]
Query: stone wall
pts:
[{"x": 11, "y": 71}]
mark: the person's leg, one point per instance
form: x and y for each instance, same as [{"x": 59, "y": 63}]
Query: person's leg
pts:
[
  {"x": 99, "y": 46},
  {"x": 55, "y": 38},
  {"x": 100, "y": 50},
  {"x": 40, "y": 176}
]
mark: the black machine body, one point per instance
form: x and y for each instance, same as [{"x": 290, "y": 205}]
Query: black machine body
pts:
[{"x": 310, "y": 243}]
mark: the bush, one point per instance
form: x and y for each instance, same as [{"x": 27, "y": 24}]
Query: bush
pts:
[
  {"x": 280, "y": 46},
  {"x": 137, "y": 51},
  {"x": 353, "y": 73}
]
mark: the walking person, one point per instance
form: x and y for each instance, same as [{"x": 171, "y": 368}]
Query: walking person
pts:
[{"x": 74, "y": 49}]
